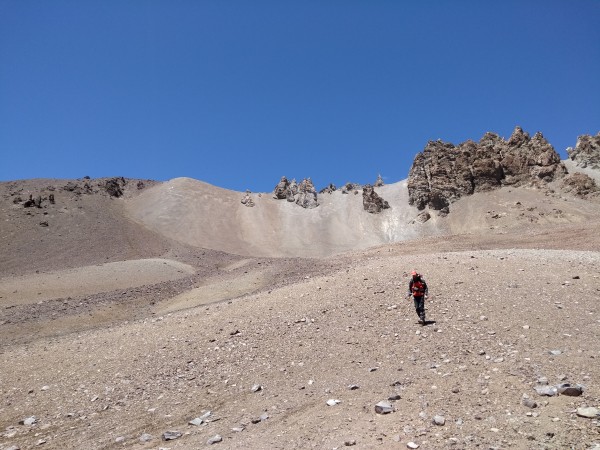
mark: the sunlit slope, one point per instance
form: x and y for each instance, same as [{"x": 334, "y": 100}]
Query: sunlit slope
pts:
[{"x": 206, "y": 216}]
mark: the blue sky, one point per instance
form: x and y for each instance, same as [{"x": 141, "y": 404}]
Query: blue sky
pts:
[{"x": 239, "y": 93}]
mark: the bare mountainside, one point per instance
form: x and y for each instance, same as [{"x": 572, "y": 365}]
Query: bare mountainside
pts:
[{"x": 170, "y": 315}]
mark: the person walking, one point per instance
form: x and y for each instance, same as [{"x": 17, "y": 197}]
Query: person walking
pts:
[{"x": 417, "y": 287}]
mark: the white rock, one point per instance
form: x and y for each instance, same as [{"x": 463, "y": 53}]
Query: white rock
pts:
[
  {"x": 412, "y": 445},
  {"x": 589, "y": 412},
  {"x": 333, "y": 402},
  {"x": 213, "y": 440},
  {"x": 384, "y": 407},
  {"x": 439, "y": 420},
  {"x": 197, "y": 421}
]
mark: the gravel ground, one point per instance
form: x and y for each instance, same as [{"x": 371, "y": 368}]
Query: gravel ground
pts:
[{"x": 508, "y": 311}]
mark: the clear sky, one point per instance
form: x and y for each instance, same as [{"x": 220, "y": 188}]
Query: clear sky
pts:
[{"x": 238, "y": 93}]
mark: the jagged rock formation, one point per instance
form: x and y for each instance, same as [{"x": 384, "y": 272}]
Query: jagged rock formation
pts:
[
  {"x": 372, "y": 202},
  {"x": 307, "y": 194},
  {"x": 587, "y": 151},
  {"x": 282, "y": 188},
  {"x": 304, "y": 194},
  {"x": 247, "y": 199},
  {"x": 379, "y": 181},
  {"x": 443, "y": 172},
  {"x": 581, "y": 185}
]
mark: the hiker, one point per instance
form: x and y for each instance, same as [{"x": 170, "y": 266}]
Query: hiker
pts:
[{"x": 418, "y": 289}]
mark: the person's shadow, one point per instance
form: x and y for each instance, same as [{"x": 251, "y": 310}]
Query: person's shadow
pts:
[{"x": 428, "y": 322}]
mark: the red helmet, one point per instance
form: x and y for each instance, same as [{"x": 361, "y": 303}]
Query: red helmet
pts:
[{"x": 414, "y": 273}]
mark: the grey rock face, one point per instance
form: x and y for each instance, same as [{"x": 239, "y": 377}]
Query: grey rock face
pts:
[
  {"x": 443, "y": 172},
  {"x": 587, "y": 151},
  {"x": 215, "y": 439},
  {"x": 372, "y": 202}
]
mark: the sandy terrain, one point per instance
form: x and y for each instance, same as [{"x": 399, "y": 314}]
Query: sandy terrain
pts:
[{"x": 127, "y": 324}]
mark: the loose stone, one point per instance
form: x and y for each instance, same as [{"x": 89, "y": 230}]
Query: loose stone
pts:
[{"x": 215, "y": 439}]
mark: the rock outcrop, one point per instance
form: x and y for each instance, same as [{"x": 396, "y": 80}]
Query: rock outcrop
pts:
[
  {"x": 379, "y": 181},
  {"x": 307, "y": 194},
  {"x": 443, "y": 172},
  {"x": 303, "y": 194},
  {"x": 581, "y": 185},
  {"x": 587, "y": 151},
  {"x": 282, "y": 188},
  {"x": 372, "y": 202},
  {"x": 247, "y": 199}
]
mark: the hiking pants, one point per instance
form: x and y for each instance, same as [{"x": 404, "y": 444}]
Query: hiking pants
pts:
[{"x": 420, "y": 306}]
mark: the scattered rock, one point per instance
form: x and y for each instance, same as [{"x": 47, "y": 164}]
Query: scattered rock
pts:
[
  {"x": 439, "y": 420},
  {"x": 145, "y": 437},
  {"x": 215, "y": 439},
  {"x": 581, "y": 185},
  {"x": 29, "y": 421},
  {"x": 589, "y": 412},
  {"x": 171, "y": 435},
  {"x": 196, "y": 422},
  {"x": 529, "y": 402},
  {"x": 567, "y": 389},
  {"x": 394, "y": 397},
  {"x": 412, "y": 445},
  {"x": 384, "y": 407},
  {"x": 549, "y": 391},
  {"x": 353, "y": 387},
  {"x": 555, "y": 352},
  {"x": 333, "y": 402},
  {"x": 349, "y": 442},
  {"x": 256, "y": 388}
]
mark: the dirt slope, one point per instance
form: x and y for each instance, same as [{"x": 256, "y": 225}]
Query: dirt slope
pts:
[{"x": 206, "y": 216}]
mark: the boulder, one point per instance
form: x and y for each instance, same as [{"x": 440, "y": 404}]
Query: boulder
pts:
[
  {"x": 442, "y": 173},
  {"x": 372, "y": 202}
]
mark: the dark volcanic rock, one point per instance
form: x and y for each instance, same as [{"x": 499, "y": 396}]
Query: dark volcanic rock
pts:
[
  {"x": 113, "y": 186},
  {"x": 587, "y": 151},
  {"x": 307, "y": 194},
  {"x": 372, "y": 202},
  {"x": 443, "y": 172}
]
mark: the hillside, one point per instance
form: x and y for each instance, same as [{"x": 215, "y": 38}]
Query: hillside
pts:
[{"x": 131, "y": 307}]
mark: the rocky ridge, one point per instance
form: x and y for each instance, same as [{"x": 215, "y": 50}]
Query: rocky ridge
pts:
[{"x": 443, "y": 172}]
